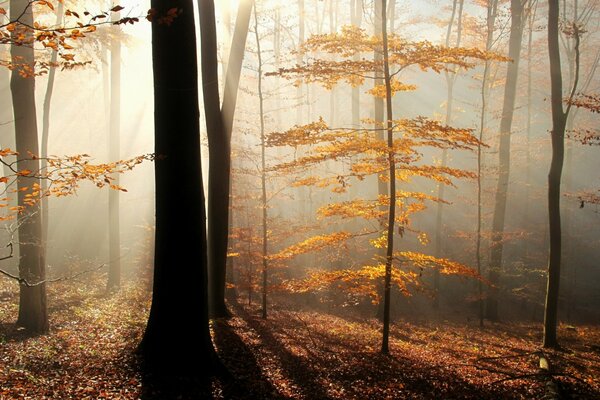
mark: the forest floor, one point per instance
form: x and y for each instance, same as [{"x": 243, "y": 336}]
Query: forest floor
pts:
[{"x": 89, "y": 354}]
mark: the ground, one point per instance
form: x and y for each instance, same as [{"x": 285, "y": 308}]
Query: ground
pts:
[{"x": 295, "y": 354}]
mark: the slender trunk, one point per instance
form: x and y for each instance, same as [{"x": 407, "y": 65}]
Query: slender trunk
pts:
[
  {"x": 277, "y": 55},
  {"x": 299, "y": 59},
  {"x": 392, "y": 175},
  {"x": 379, "y": 80},
  {"x": 33, "y": 313},
  {"x": 333, "y": 91},
  {"x": 114, "y": 154},
  {"x": 46, "y": 134},
  {"x": 559, "y": 120},
  {"x": 531, "y": 20},
  {"x": 263, "y": 172},
  {"x": 568, "y": 265},
  {"x": 357, "y": 11},
  {"x": 510, "y": 91},
  {"x": 391, "y": 15},
  {"x": 177, "y": 339},
  {"x": 378, "y": 102},
  {"x": 491, "y": 20}
]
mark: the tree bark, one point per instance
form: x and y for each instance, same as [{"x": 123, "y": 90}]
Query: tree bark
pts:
[
  {"x": 177, "y": 339},
  {"x": 33, "y": 313},
  {"x": 510, "y": 91}
]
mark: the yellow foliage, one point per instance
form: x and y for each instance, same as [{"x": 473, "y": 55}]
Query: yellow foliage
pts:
[{"x": 315, "y": 243}]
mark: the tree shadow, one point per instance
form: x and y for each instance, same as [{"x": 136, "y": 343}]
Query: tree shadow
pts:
[
  {"x": 300, "y": 371},
  {"x": 241, "y": 377}
]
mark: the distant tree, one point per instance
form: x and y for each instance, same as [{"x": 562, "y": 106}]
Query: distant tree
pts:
[
  {"x": 177, "y": 338},
  {"x": 114, "y": 153},
  {"x": 263, "y": 169},
  {"x": 510, "y": 92},
  {"x": 46, "y": 130}
]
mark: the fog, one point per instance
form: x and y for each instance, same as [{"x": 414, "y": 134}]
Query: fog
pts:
[{"x": 308, "y": 228}]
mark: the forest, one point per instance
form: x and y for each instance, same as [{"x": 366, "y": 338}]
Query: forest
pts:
[{"x": 303, "y": 199}]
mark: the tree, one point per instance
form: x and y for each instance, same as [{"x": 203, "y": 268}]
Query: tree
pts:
[
  {"x": 263, "y": 172},
  {"x": 33, "y": 313},
  {"x": 508, "y": 107},
  {"x": 389, "y": 256},
  {"x": 46, "y": 132},
  {"x": 368, "y": 155},
  {"x": 219, "y": 125},
  {"x": 177, "y": 338},
  {"x": 559, "y": 121}
]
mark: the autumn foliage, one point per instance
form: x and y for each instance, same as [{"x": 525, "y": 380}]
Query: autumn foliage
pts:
[
  {"x": 64, "y": 176},
  {"x": 362, "y": 153}
]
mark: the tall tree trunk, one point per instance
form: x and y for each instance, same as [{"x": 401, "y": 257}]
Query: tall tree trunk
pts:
[
  {"x": 114, "y": 154},
  {"x": 177, "y": 338},
  {"x": 33, "y": 313},
  {"x": 559, "y": 120},
  {"x": 263, "y": 171},
  {"x": 510, "y": 91},
  {"x": 392, "y": 175},
  {"x": 219, "y": 125}
]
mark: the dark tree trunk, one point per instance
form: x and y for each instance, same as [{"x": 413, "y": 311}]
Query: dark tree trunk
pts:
[
  {"x": 559, "y": 121},
  {"x": 510, "y": 91},
  {"x": 33, "y": 313},
  {"x": 177, "y": 339},
  {"x": 219, "y": 125},
  {"x": 114, "y": 154}
]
